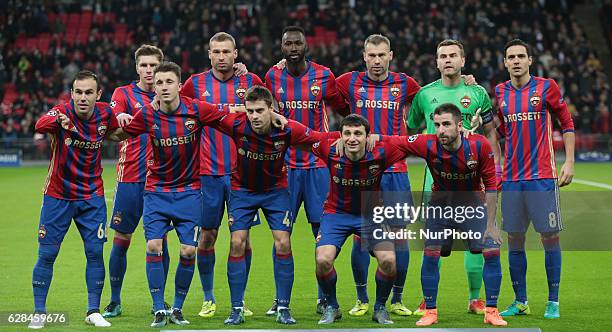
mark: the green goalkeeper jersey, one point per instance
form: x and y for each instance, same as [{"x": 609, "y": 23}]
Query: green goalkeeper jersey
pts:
[{"x": 467, "y": 97}]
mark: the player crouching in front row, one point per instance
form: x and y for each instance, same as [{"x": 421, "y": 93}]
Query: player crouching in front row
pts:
[{"x": 469, "y": 160}]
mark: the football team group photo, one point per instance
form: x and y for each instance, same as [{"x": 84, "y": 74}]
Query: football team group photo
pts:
[{"x": 309, "y": 165}]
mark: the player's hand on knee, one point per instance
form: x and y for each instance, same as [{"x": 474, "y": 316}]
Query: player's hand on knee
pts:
[
  {"x": 494, "y": 234},
  {"x": 240, "y": 69},
  {"x": 566, "y": 175}
]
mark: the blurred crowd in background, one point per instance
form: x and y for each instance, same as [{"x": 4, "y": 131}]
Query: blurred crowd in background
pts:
[{"x": 43, "y": 44}]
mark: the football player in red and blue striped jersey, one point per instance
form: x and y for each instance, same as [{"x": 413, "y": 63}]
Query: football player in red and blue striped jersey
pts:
[
  {"x": 134, "y": 154},
  {"x": 74, "y": 190},
  {"x": 383, "y": 98},
  {"x": 462, "y": 168},
  {"x": 354, "y": 174},
  {"x": 219, "y": 85},
  {"x": 530, "y": 184},
  {"x": 304, "y": 90},
  {"x": 262, "y": 147},
  {"x": 173, "y": 186}
]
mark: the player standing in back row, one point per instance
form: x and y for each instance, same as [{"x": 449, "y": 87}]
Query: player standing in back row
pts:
[
  {"x": 530, "y": 187},
  {"x": 219, "y": 85},
  {"x": 173, "y": 188},
  {"x": 471, "y": 100},
  {"x": 134, "y": 155},
  {"x": 383, "y": 98},
  {"x": 303, "y": 90}
]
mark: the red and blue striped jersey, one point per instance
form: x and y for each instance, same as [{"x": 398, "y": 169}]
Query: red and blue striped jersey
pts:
[
  {"x": 261, "y": 157},
  {"x": 349, "y": 179},
  {"x": 75, "y": 170},
  {"x": 526, "y": 121},
  {"x": 384, "y": 104},
  {"x": 175, "y": 139},
  {"x": 304, "y": 99},
  {"x": 217, "y": 151},
  {"x": 470, "y": 168},
  {"x": 134, "y": 153}
]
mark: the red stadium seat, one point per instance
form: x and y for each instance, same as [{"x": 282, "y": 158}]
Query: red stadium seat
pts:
[
  {"x": 331, "y": 37},
  {"x": 73, "y": 19},
  {"x": 51, "y": 17},
  {"x": 31, "y": 44},
  {"x": 63, "y": 18},
  {"x": 98, "y": 18},
  {"x": 86, "y": 16},
  {"x": 310, "y": 40},
  {"x": 21, "y": 41}
]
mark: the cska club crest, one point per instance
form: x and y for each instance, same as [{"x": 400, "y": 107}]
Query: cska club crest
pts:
[
  {"x": 315, "y": 89},
  {"x": 535, "y": 100},
  {"x": 190, "y": 124},
  {"x": 42, "y": 232},
  {"x": 68, "y": 141},
  {"x": 117, "y": 218},
  {"x": 102, "y": 130},
  {"x": 278, "y": 145},
  {"x": 374, "y": 168},
  {"x": 241, "y": 92},
  {"x": 472, "y": 163},
  {"x": 395, "y": 91},
  {"x": 466, "y": 101}
]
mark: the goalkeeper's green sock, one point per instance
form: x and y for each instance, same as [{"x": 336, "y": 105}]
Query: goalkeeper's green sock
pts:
[{"x": 473, "y": 267}]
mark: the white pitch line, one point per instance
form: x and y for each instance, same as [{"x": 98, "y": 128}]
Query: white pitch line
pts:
[{"x": 594, "y": 184}]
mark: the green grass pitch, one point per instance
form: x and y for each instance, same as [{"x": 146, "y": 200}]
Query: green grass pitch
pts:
[{"x": 585, "y": 288}]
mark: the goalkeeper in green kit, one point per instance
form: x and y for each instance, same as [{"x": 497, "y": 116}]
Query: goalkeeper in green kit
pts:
[{"x": 475, "y": 106}]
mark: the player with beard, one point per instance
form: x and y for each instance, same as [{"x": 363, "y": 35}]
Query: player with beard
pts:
[{"x": 304, "y": 91}]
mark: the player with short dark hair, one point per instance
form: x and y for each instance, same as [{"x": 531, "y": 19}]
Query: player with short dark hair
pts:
[
  {"x": 304, "y": 90},
  {"x": 473, "y": 101},
  {"x": 219, "y": 85},
  {"x": 383, "y": 98},
  {"x": 262, "y": 147},
  {"x": 530, "y": 187},
  {"x": 354, "y": 172},
  {"x": 74, "y": 190},
  {"x": 463, "y": 172},
  {"x": 134, "y": 155},
  {"x": 172, "y": 187}
]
